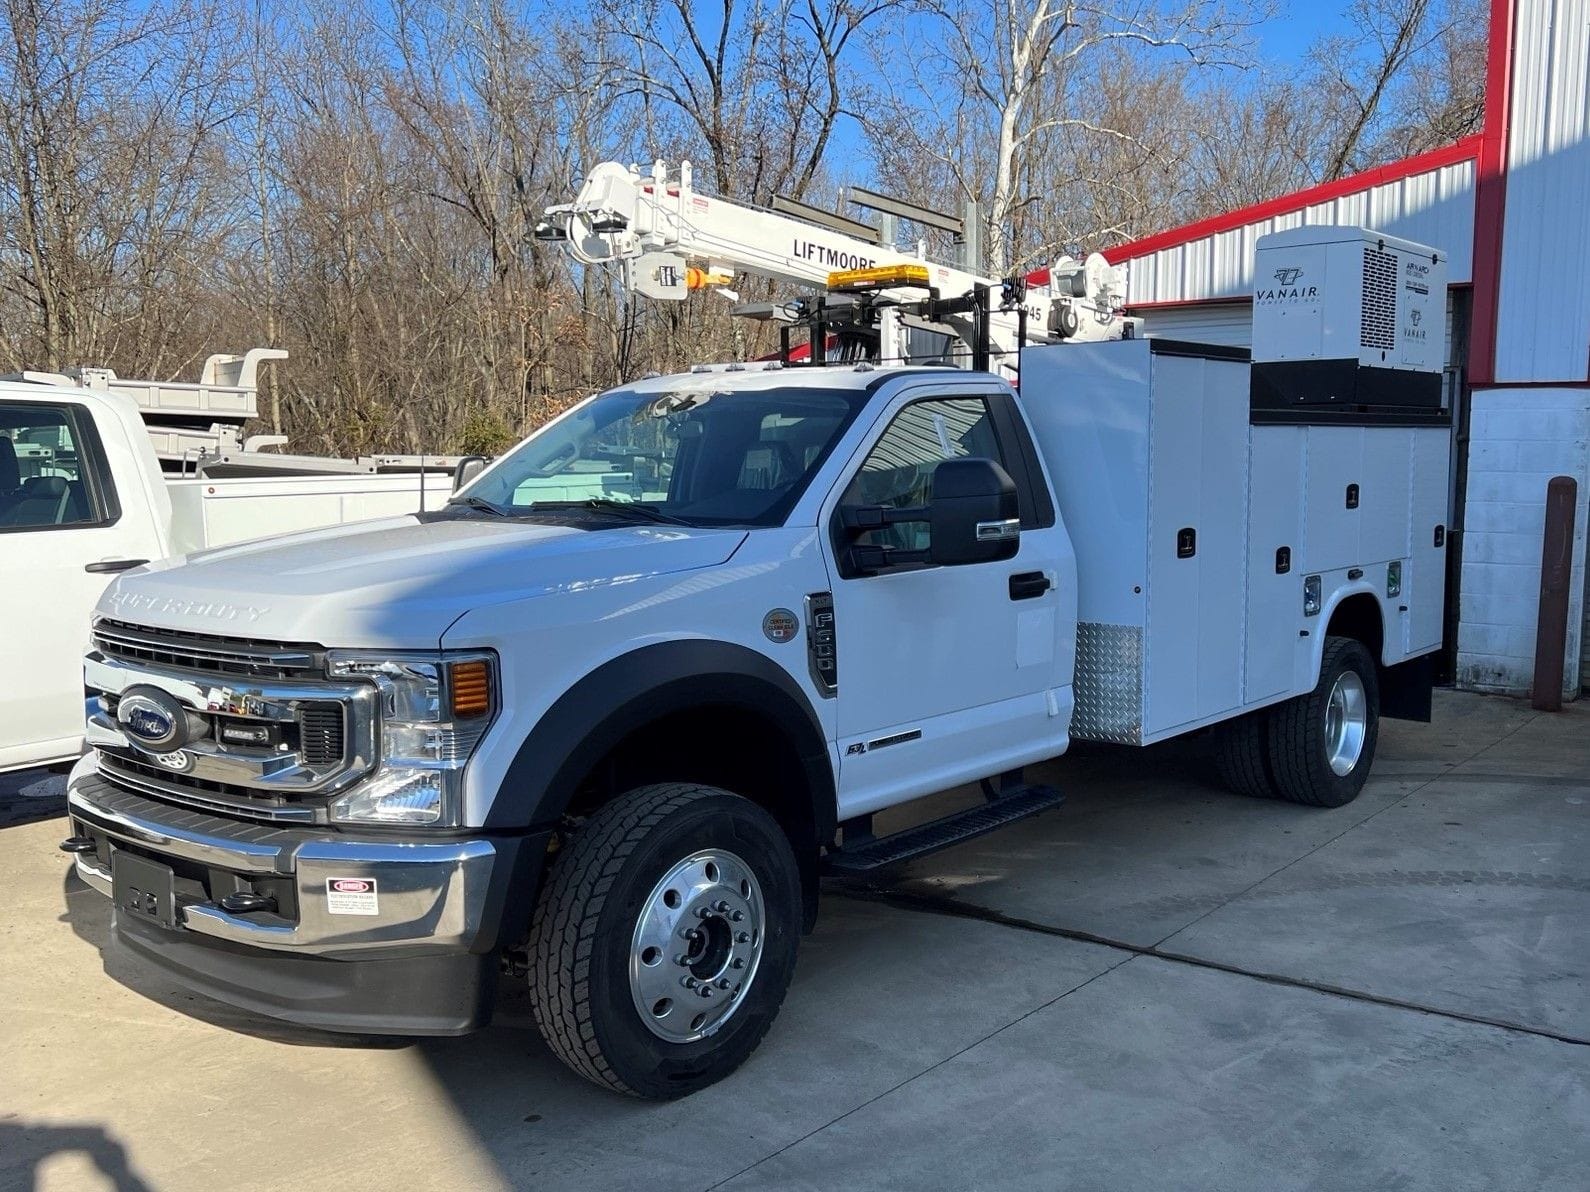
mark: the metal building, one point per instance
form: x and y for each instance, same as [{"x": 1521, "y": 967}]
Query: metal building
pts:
[{"x": 1510, "y": 206}]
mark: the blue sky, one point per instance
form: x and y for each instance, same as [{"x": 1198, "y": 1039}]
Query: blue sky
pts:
[{"x": 1287, "y": 37}]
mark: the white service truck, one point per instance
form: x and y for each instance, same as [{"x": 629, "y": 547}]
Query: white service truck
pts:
[
  {"x": 604, "y": 720},
  {"x": 83, "y": 496}
]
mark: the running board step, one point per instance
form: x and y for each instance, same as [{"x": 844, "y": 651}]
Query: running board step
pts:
[{"x": 876, "y": 852}]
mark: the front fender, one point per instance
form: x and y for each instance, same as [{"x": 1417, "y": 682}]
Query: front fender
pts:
[{"x": 628, "y": 692}]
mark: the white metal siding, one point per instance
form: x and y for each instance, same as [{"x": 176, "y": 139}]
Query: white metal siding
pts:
[
  {"x": 1434, "y": 208},
  {"x": 1230, "y": 324},
  {"x": 1227, "y": 323},
  {"x": 1543, "y": 329}
]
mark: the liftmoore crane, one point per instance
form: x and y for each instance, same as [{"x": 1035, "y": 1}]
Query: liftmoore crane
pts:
[{"x": 669, "y": 239}]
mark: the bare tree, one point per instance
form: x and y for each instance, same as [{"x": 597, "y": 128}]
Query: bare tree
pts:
[
  {"x": 356, "y": 180},
  {"x": 1361, "y": 67},
  {"x": 107, "y": 181},
  {"x": 1014, "y": 75}
]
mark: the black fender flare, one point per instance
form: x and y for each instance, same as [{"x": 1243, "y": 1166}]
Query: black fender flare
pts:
[{"x": 632, "y": 690}]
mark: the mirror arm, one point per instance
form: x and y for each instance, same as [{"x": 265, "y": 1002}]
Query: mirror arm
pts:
[
  {"x": 881, "y": 558},
  {"x": 858, "y": 519}
]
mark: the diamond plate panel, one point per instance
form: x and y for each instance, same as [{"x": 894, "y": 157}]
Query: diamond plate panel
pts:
[{"x": 1109, "y": 684}]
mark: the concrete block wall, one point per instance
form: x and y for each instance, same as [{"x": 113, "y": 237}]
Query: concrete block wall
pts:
[{"x": 1519, "y": 439}]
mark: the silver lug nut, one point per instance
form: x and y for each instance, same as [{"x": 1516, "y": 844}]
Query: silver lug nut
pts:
[
  {"x": 737, "y": 916},
  {"x": 688, "y": 982},
  {"x": 722, "y": 907},
  {"x": 691, "y": 934},
  {"x": 682, "y": 959},
  {"x": 703, "y": 911},
  {"x": 723, "y": 982},
  {"x": 705, "y": 991},
  {"x": 743, "y": 937},
  {"x": 739, "y": 962}
]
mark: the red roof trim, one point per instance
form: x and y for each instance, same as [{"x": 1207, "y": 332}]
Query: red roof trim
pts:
[{"x": 1465, "y": 150}]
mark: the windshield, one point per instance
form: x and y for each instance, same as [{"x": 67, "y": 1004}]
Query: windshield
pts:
[{"x": 692, "y": 455}]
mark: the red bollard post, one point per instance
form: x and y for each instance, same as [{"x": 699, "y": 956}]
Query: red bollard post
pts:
[{"x": 1556, "y": 569}]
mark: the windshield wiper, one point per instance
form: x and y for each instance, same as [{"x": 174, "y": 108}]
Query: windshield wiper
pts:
[
  {"x": 473, "y": 502},
  {"x": 622, "y": 508}
]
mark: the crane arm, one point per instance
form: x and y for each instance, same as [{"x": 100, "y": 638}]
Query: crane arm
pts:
[{"x": 654, "y": 227}]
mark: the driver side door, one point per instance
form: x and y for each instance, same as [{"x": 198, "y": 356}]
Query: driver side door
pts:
[{"x": 945, "y": 673}]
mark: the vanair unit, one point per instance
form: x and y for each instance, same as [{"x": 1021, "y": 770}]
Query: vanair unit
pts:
[{"x": 1350, "y": 318}]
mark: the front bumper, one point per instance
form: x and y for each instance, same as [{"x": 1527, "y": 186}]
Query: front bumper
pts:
[{"x": 417, "y": 954}]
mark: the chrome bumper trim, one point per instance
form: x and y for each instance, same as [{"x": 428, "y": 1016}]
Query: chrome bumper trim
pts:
[{"x": 430, "y": 896}]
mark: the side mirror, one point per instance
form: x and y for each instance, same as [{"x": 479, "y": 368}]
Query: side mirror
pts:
[
  {"x": 468, "y": 468},
  {"x": 973, "y": 513}
]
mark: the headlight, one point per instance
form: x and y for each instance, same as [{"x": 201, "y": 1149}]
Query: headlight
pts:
[{"x": 434, "y": 709}]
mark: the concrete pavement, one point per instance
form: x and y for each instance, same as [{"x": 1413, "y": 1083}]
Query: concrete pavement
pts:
[{"x": 1159, "y": 985}]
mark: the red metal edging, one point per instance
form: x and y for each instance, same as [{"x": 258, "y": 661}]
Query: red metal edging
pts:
[
  {"x": 1490, "y": 195},
  {"x": 1466, "y": 149}
]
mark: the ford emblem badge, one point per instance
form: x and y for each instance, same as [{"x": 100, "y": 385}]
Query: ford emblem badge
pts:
[{"x": 152, "y": 719}]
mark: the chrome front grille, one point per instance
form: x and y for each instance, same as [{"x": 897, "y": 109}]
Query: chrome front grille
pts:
[
  {"x": 209, "y": 653},
  {"x": 312, "y": 736}
]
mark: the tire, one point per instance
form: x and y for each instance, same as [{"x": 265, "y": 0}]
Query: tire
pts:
[
  {"x": 1301, "y": 744},
  {"x": 606, "y": 896},
  {"x": 1242, "y": 755}
]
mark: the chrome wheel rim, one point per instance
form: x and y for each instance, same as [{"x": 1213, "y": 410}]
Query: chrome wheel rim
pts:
[
  {"x": 696, "y": 945},
  {"x": 1346, "y": 723}
]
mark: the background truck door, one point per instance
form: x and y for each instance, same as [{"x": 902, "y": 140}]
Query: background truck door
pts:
[
  {"x": 62, "y": 537},
  {"x": 947, "y": 673}
]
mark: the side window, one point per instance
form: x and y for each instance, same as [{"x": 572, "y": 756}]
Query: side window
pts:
[
  {"x": 898, "y": 471},
  {"x": 47, "y": 476}
]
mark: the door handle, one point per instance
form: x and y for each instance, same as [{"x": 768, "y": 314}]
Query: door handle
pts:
[
  {"x": 1029, "y": 585},
  {"x": 114, "y": 565}
]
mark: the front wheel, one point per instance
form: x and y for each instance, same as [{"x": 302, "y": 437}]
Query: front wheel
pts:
[
  {"x": 664, "y": 940},
  {"x": 1322, "y": 743}
]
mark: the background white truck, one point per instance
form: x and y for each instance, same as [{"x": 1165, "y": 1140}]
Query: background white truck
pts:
[
  {"x": 85, "y": 492},
  {"x": 606, "y": 719}
]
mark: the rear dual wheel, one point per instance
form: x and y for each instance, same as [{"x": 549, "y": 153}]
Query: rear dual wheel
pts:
[
  {"x": 665, "y": 939},
  {"x": 1315, "y": 749}
]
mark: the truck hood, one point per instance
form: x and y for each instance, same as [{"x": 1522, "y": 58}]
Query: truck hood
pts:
[{"x": 396, "y": 582}]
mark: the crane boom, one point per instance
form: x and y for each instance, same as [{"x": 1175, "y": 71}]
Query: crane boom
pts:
[{"x": 670, "y": 239}]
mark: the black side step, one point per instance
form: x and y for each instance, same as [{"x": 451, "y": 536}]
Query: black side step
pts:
[{"x": 874, "y": 852}]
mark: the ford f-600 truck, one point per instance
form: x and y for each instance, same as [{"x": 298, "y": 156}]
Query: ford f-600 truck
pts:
[{"x": 605, "y": 720}]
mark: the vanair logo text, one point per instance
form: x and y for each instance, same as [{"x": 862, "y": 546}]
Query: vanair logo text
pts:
[{"x": 1287, "y": 288}]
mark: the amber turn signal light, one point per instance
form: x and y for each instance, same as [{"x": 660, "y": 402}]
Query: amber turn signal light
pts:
[{"x": 471, "y": 688}]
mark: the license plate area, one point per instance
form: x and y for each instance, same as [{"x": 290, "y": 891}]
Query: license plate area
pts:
[{"x": 143, "y": 889}]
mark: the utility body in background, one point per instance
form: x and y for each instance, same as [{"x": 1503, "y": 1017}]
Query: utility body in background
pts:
[
  {"x": 99, "y": 474},
  {"x": 605, "y": 719}
]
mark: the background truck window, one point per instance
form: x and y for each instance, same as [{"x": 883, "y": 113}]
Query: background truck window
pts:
[{"x": 42, "y": 481}]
